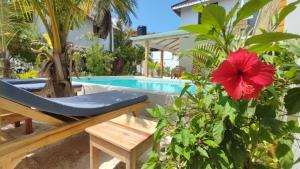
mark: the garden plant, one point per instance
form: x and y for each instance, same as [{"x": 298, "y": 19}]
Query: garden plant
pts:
[
  {"x": 243, "y": 113},
  {"x": 61, "y": 16}
]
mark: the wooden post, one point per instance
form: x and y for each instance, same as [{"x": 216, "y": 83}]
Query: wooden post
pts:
[
  {"x": 146, "y": 73},
  {"x": 161, "y": 63},
  {"x": 281, "y": 26}
]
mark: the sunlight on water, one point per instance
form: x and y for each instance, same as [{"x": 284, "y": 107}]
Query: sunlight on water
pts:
[{"x": 150, "y": 84}]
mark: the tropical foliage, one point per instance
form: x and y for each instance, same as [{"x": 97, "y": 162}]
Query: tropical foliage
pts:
[
  {"x": 59, "y": 17},
  {"x": 29, "y": 75},
  {"x": 98, "y": 62},
  {"x": 239, "y": 121},
  {"x": 14, "y": 31},
  {"x": 127, "y": 56}
]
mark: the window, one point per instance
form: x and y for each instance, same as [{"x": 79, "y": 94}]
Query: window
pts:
[{"x": 199, "y": 18}]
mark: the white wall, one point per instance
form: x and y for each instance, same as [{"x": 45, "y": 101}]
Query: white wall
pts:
[
  {"x": 76, "y": 36},
  {"x": 189, "y": 17},
  {"x": 293, "y": 21},
  {"x": 186, "y": 44},
  {"x": 227, "y": 4}
]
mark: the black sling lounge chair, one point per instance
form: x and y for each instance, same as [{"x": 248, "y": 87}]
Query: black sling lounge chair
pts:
[{"x": 70, "y": 115}]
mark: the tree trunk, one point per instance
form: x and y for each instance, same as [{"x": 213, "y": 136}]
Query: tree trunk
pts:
[
  {"x": 7, "y": 69},
  {"x": 59, "y": 83}
]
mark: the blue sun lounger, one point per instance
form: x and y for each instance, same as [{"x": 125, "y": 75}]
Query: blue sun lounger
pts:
[
  {"x": 70, "y": 115},
  {"x": 36, "y": 85}
]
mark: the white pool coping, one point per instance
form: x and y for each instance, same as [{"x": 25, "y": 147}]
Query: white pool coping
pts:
[{"x": 112, "y": 87}]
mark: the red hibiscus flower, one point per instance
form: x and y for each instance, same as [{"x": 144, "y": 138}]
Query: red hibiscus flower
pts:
[{"x": 243, "y": 74}]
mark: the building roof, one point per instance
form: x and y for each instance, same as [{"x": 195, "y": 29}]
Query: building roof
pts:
[
  {"x": 176, "y": 7},
  {"x": 167, "y": 41},
  {"x": 185, "y": 3}
]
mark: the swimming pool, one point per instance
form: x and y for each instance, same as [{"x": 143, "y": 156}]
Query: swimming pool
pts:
[{"x": 138, "y": 82}]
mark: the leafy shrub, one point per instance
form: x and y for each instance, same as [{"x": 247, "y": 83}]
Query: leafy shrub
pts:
[
  {"x": 233, "y": 122},
  {"x": 98, "y": 61},
  {"x": 28, "y": 75}
]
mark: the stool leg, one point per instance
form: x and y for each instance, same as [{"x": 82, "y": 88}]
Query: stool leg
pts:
[
  {"x": 17, "y": 124},
  {"x": 131, "y": 161},
  {"x": 134, "y": 114},
  {"x": 94, "y": 157},
  {"x": 28, "y": 126}
]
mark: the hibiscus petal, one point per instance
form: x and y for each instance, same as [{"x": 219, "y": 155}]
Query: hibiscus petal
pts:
[
  {"x": 244, "y": 60},
  {"x": 256, "y": 91},
  {"x": 264, "y": 75},
  {"x": 224, "y": 73},
  {"x": 233, "y": 88}
]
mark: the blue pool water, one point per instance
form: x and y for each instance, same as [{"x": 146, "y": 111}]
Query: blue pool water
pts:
[{"x": 142, "y": 83}]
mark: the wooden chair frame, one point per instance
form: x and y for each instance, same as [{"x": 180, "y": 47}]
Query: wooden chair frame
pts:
[
  {"x": 12, "y": 118},
  {"x": 12, "y": 152}
]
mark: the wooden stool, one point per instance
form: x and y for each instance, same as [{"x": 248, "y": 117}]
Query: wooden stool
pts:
[
  {"x": 12, "y": 118},
  {"x": 125, "y": 138}
]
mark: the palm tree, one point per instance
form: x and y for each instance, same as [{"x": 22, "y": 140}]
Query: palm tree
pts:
[
  {"x": 59, "y": 17},
  {"x": 103, "y": 16},
  {"x": 11, "y": 23}
]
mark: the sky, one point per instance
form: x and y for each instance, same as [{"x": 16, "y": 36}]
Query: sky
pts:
[{"x": 157, "y": 15}]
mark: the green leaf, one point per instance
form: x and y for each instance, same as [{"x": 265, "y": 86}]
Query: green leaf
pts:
[
  {"x": 272, "y": 90},
  {"x": 249, "y": 9},
  {"x": 232, "y": 12},
  {"x": 218, "y": 131},
  {"x": 149, "y": 165},
  {"x": 160, "y": 129},
  {"x": 264, "y": 47},
  {"x": 231, "y": 111},
  {"x": 237, "y": 152},
  {"x": 183, "y": 152},
  {"x": 285, "y": 156},
  {"x": 211, "y": 143},
  {"x": 270, "y": 37},
  {"x": 263, "y": 111},
  {"x": 152, "y": 161},
  {"x": 291, "y": 73},
  {"x": 198, "y": 8},
  {"x": 214, "y": 15},
  {"x": 183, "y": 91},
  {"x": 265, "y": 135},
  {"x": 202, "y": 152},
  {"x": 197, "y": 29},
  {"x": 292, "y": 101},
  {"x": 185, "y": 137},
  {"x": 287, "y": 10},
  {"x": 157, "y": 112},
  {"x": 192, "y": 97}
]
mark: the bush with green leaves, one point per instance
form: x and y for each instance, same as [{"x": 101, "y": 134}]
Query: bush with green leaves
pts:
[
  {"x": 213, "y": 129},
  {"x": 127, "y": 56},
  {"x": 98, "y": 62},
  {"x": 29, "y": 75}
]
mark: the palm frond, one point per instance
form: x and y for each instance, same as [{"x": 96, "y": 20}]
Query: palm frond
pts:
[
  {"x": 107, "y": 8},
  {"x": 204, "y": 56}
]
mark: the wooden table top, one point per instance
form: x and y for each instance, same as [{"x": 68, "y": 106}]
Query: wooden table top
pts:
[{"x": 125, "y": 131}]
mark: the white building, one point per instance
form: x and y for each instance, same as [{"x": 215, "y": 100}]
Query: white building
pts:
[
  {"x": 177, "y": 41},
  {"x": 77, "y": 35}
]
